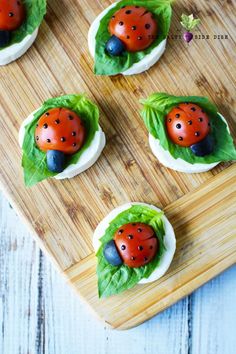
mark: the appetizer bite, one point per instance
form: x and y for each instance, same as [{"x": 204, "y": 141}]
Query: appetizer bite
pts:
[
  {"x": 135, "y": 244},
  {"x": 129, "y": 36},
  {"x": 187, "y": 133},
  {"x": 61, "y": 139},
  {"x": 19, "y": 23}
]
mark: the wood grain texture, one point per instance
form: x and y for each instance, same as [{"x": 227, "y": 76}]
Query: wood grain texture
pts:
[
  {"x": 58, "y": 212},
  {"x": 40, "y": 314}
]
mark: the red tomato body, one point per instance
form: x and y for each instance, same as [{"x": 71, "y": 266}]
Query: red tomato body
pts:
[
  {"x": 187, "y": 124},
  {"x": 12, "y": 14},
  {"x": 137, "y": 244},
  {"x": 135, "y": 26},
  {"x": 60, "y": 129}
]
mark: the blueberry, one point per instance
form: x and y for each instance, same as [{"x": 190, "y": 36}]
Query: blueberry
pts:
[
  {"x": 55, "y": 160},
  {"x": 115, "y": 46},
  {"x": 111, "y": 254},
  {"x": 5, "y": 37},
  {"x": 204, "y": 147}
]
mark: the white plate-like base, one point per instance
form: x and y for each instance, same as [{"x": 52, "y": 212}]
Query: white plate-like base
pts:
[
  {"x": 86, "y": 160},
  {"x": 16, "y": 50},
  {"x": 169, "y": 240},
  {"x": 180, "y": 165},
  {"x": 167, "y": 160},
  {"x": 143, "y": 65}
]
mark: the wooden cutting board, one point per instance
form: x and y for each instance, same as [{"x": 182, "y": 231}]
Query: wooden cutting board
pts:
[{"x": 63, "y": 214}]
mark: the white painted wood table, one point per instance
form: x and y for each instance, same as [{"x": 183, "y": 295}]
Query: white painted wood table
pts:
[{"x": 40, "y": 314}]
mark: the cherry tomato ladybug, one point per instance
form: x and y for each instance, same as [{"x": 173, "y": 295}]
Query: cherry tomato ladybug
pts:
[
  {"x": 187, "y": 124},
  {"x": 135, "y": 26},
  {"x": 12, "y": 14},
  {"x": 136, "y": 243},
  {"x": 60, "y": 129}
]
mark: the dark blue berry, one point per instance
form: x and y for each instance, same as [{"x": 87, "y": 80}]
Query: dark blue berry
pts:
[
  {"x": 204, "y": 147},
  {"x": 115, "y": 46},
  {"x": 111, "y": 254},
  {"x": 5, "y": 37},
  {"x": 55, "y": 160}
]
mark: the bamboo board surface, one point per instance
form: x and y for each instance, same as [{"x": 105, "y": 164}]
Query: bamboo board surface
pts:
[
  {"x": 63, "y": 214},
  {"x": 45, "y": 316}
]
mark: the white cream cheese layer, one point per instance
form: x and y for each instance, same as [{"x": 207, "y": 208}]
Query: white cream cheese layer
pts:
[
  {"x": 16, "y": 50},
  {"x": 143, "y": 65},
  {"x": 169, "y": 240},
  {"x": 179, "y": 164},
  {"x": 86, "y": 160}
]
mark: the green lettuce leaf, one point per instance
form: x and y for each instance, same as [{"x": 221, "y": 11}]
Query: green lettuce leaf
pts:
[
  {"x": 113, "y": 280},
  {"x": 35, "y": 11},
  {"x": 108, "y": 65},
  {"x": 34, "y": 160},
  {"x": 158, "y": 105}
]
